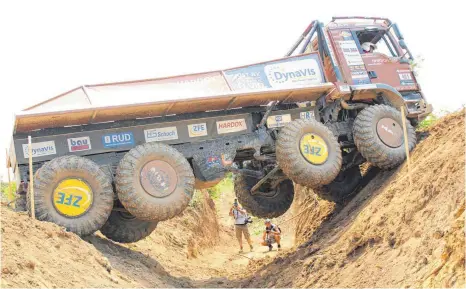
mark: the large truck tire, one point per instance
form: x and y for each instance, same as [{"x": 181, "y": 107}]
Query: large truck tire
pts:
[
  {"x": 342, "y": 186},
  {"x": 308, "y": 153},
  {"x": 72, "y": 192},
  {"x": 378, "y": 135},
  {"x": 123, "y": 227},
  {"x": 200, "y": 185},
  {"x": 154, "y": 182},
  {"x": 271, "y": 205}
]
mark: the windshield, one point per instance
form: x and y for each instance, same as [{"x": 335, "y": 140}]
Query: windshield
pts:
[{"x": 379, "y": 37}]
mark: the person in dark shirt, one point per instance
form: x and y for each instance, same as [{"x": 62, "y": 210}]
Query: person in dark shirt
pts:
[{"x": 272, "y": 234}]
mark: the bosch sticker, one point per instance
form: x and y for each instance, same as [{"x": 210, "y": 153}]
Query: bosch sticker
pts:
[
  {"x": 161, "y": 134},
  {"x": 278, "y": 120},
  {"x": 213, "y": 161}
]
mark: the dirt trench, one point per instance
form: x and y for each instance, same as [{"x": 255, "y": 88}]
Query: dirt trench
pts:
[{"x": 393, "y": 233}]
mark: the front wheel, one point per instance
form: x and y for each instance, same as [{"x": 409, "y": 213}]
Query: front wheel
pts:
[
  {"x": 308, "y": 153},
  {"x": 378, "y": 135},
  {"x": 266, "y": 202}
]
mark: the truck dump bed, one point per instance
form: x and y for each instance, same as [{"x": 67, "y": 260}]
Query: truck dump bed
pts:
[{"x": 290, "y": 80}]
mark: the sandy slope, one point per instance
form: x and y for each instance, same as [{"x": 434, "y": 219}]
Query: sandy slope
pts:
[{"x": 393, "y": 233}]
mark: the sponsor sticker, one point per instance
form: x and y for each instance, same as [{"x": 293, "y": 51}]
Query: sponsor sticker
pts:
[
  {"x": 278, "y": 120},
  {"x": 114, "y": 140},
  {"x": 198, "y": 129},
  {"x": 306, "y": 115},
  {"x": 161, "y": 134},
  {"x": 232, "y": 125},
  {"x": 78, "y": 144},
  {"x": 293, "y": 73},
  {"x": 40, "y": 149},
  {"x": 351, "y": 52}
]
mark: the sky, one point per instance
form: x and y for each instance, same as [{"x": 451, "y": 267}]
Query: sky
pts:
[{"x": 49, "y": 47}]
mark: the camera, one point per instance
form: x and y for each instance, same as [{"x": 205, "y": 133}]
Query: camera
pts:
[{"x": 248, "y": 220}]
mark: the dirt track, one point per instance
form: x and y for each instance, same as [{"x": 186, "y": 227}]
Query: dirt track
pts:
[{"x": 392, "y": 234}]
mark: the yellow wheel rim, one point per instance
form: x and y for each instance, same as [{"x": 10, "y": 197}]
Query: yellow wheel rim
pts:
[
  {"x": 313, "y": 148},
  {"x": 72, "y": 197}
]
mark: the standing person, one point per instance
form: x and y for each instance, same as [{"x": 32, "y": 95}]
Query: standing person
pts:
[
  {"x": 241, "y": 225},
  {"x": 271, "y": 235}
]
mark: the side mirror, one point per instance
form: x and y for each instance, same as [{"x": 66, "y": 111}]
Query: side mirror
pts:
[{"x": 402, "y": 44}]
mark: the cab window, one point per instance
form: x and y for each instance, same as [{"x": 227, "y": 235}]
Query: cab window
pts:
[{"x": 382, "y": 42}]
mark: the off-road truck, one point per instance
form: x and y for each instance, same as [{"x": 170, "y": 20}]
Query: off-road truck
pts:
[{"x": 310, "y": 118}]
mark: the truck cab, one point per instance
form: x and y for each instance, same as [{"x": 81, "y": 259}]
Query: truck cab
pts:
[{"x": 387, "y": 65}]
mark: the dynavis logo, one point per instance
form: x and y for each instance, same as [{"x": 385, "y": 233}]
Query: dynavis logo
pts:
[
  {"x": 40, "y": 149},
  {"x": 293, "y": 73},
  {"x": 284, "y": 76}
]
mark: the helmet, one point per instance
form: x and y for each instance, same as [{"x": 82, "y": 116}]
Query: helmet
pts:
[
  {"x": 267, "y": 221},
  {"x": 366, "y": 46}
]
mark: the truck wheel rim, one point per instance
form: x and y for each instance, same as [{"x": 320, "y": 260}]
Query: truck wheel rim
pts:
[
  {"x": 72, "y": 197},
  {"x": 313, "y": 148},
  {"x": 158, "y": 178},
  {"x": 390, "y": 132}
]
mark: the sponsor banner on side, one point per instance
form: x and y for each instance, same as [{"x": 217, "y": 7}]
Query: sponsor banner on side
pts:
[
  {"x": 40, "y": 149},
  {"x": 198, "y": 129},
  {"x": 114, "y": 140},
  {"x": 232, "y": 125},
  {"x": 78, "y": 144},
  {"x": 278, "y": 120},
  {"x": 285, "y": 73},
  {"x": 161, "y": 134}
]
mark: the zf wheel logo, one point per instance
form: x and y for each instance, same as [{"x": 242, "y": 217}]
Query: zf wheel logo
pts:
[
  {"x": 72, "y": 197},
  {"x": 312, "y": 150},
  {"x": 69, "y": 201}
]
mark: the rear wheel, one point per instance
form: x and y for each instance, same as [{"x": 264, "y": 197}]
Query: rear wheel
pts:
[
  {"x": 378, "y": 135},
  {"x": 308, "y": 153},
  {"x": 266, "y": 202},
  {"x": 72, "y": 192},
  {"x": 342, "y": 186},
  {"x": 154, "y": 182},
  {"x": 123, "y": 227}
]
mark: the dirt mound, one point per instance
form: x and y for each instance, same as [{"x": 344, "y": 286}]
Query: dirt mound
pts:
[
  {"x": 40, "y": 254},
  {"x": 393, "y": 233}
]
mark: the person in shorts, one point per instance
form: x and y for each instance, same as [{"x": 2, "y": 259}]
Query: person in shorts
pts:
[{"x": 241, "y": 225}]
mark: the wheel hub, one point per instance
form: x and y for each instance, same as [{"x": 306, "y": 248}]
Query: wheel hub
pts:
[
  {"x": 313, "y": 148},
  {"x": 390, "y": 132},
  {"x": 158, "y": 178},
  {"x": 72, "y": 197}
]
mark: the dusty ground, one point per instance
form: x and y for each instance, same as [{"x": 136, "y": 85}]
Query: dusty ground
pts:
[{"x": 391, "y": 234}]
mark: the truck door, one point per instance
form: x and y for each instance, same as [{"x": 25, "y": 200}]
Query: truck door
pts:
[
  {"x": 384, "y": 64},
  {"x": 349, "y": 57}
]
